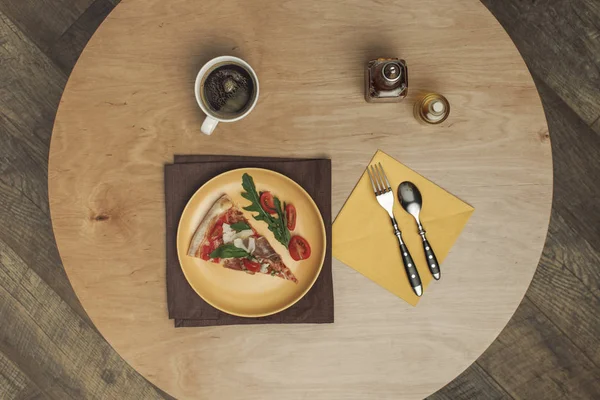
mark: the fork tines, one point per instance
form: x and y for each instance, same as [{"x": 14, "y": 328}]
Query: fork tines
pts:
[{"x": 379, "y": 180}]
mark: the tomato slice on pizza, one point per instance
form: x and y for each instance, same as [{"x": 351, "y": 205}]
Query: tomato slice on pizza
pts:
[{"x": 226, "y": 237}]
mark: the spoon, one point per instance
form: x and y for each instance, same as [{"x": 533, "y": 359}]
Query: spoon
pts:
[{"x": 411, "y": 201}]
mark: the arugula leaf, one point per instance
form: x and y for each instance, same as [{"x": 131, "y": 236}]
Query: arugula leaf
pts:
[
  {"x": 276, "y": 225},
  {"x": 240, "y": 226},
  {"x": 284, "y": 231},
  {"x": 229, "y": 251}
]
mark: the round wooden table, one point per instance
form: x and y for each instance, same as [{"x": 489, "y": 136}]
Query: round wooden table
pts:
[{"x": 129, "y": 107}]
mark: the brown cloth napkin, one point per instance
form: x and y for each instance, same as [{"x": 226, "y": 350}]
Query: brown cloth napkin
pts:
[{"x": 183, "y": 178}]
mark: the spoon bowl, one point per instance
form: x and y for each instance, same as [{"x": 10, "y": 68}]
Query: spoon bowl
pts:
[{"x": 411, "y": 199}]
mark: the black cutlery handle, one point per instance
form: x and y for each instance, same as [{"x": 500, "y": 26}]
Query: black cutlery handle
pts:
[
  {"x": 432, "y": 262},
  {"x": 411, "y": 270},
  {"x": 409, "y": 264}
]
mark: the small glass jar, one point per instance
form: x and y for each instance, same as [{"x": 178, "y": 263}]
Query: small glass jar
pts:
[{"x": 432, "y": 109}]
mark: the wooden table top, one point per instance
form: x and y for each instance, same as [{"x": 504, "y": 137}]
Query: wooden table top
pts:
[{"x": 129, "y": 107}]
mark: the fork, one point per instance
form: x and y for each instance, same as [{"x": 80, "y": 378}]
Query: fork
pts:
[{"x": 385, "y": 198}]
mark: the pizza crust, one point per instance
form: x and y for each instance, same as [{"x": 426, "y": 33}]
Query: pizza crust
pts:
[{"x": 223, "y": 204}]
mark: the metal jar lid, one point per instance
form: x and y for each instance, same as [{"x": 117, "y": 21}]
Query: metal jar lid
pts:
[{"x": 391, "y": 71}]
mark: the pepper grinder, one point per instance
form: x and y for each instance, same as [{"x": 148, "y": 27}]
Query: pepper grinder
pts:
[{"x": 386, "y": 80}]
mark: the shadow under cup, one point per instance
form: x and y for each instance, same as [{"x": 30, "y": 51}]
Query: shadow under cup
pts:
[{"x": 228, "y": 90}]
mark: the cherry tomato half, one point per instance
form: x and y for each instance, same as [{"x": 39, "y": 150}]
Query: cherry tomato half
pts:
[
  {"x": 299, "y": 248},
  {"x": 290, "y": 213},
  {"x": 267, "y": 202},
  {"x": 250, "y": 265}
]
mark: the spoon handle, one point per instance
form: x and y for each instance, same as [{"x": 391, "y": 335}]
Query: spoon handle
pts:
[
  {"x": 432, "y": 262},
  {"x": 409, "y": 265}
]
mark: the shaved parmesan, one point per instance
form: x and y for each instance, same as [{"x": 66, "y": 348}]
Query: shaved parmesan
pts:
[{"x": 229, "y": 235}]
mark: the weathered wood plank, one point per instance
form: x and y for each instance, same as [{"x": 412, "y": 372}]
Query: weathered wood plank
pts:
[
  {"x": 474, "y": 383},
  {"x": 65, "y": 356},
  {"x": 44, "y": 20},
  {"x": 30, "y": 94},
  {"x": 27, "y": 230},
  {"x": 31, "y": 86},
  {"x": 596, "y": 126},
  {"x": 22, "y": 173},
  {"x": 532, "y": 359},
  {"x": 576, "y": 175},
  {"x": 567, "y": 302},
  {"x": 66, "y": 50},
  {"x": 559, "y": 40},
  {"x": 566, "y": 248},
  {"x": 30, "y": 91},
  {"x": 14, "y": 383}
]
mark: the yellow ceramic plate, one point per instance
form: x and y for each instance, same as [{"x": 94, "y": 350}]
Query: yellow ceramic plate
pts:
[{"x": 236, "y": 292}]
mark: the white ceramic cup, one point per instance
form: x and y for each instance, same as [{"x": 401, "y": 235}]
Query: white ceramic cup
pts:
[{"x": 212, "y": 119}]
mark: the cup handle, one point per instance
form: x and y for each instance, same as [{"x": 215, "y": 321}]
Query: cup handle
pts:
[{"x": 209, "y": 125}]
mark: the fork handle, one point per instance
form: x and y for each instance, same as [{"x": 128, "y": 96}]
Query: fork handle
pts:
[
  {"x": 432, "y": 262},
  {"x": 409, "y": 264}
]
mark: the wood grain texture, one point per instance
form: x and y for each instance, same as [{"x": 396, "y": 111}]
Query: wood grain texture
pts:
[
  {"x": 50, "y": 334},
  {"x": 564, "y": 291},
  {"x": 66, "y": 50},
  {"x": 559, "y": 40},
  {"x": 44, "y": 21},
  {"x": 128, "y": 108},
  {"x": 531, "y": 343},
  {"x": 14, "y": 383},
  {"x": 30, "y": 95},
  {"x": 39, "y": 311},
  {"x": 596, "y": 126},
  {"x": 566, "y": 250},
  {"x": 30, "y": 92},
  {"x": 577, "y": 148},
  {"x": 572, "y": 307},
  {"x": 474, "y": 383}
]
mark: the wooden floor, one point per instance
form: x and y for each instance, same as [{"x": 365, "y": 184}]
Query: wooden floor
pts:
[{"x": 549, "y": 350}]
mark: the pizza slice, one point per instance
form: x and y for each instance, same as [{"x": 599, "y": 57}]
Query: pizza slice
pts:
[{"x": 226, "y": 237}]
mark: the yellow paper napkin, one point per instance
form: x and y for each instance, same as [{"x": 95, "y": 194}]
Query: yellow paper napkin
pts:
[{"x": 363, "y": 236}]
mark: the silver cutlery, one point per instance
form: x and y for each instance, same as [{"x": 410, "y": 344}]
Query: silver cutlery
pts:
[
  {"x": 385, "y": 198},
  {"x": 412, "y": 202}
]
